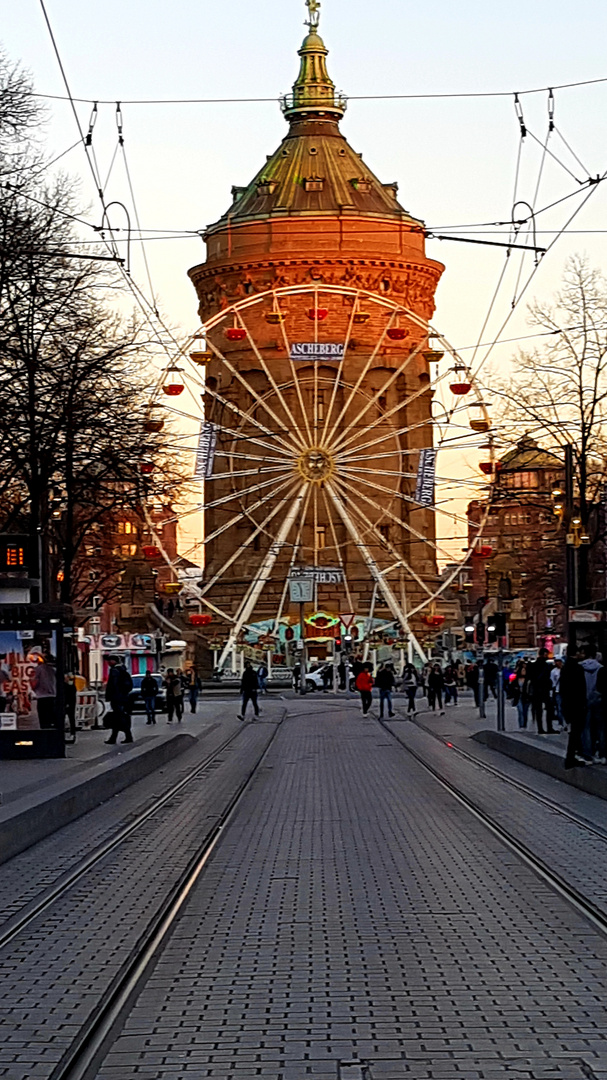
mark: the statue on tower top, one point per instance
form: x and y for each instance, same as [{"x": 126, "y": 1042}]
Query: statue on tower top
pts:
[{"x": 313, "y": 7}]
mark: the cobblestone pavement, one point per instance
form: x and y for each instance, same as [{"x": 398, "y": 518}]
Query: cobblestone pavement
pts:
[
  {"x": 357, "y": 923},
  {"x": 53, "y": 975}
]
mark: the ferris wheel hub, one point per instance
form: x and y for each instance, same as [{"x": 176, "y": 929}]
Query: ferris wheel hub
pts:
[{"x": 316, "y": 465}]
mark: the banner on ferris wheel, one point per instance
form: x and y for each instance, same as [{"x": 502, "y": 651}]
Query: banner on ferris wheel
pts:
[
  {"x": 426, "y": 473},
  {"x": 205, "y": 455}
]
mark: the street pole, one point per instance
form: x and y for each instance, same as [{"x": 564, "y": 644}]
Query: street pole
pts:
[
  {"x": 481, "y": 685},
  {"x": 501, "y": 726},
  {"x": 302, "y": 651}
]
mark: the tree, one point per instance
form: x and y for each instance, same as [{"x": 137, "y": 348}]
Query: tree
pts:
[
  {"x": 75, "y": 377},
  {"x": 558, "y": 392}
]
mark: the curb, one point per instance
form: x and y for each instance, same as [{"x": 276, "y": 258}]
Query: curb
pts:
[
  {"x": 587, "y": 778},
  {"x": 37, "y": 816}
]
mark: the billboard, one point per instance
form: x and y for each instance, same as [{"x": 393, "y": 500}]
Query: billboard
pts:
[{"x": 28, "y": 681}]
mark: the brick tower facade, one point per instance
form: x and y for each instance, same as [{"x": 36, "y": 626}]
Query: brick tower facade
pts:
[{"x": 316, "y": 215}]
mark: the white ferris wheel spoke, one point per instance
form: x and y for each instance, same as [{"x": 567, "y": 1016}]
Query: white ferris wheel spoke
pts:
[
  {"x": 240, "y": 494},
  {"x": 295, "y": 378},
  {"x": 339, "y": 372},
  {"x": 249, "y": 418},
  {"x": 230, "y": 474},
  {"x": 393, "y": 517},
  {"x": 256, "y": 587},
  {"x": 391, "y": 601},
  {"x": 354, "y": 390},
  {"x": 295, "y": 432},
  {"x": 343, "y": 440},
  {"x": 349, "y": 599},
  {"x": 296, "y": 547},
  {"x": 246, "y": 514},
  {"x": 369, "y": 525},
  {"x": 246, "y": 543},
  {"x": 353, "y": 474},
  {"x": 246, "y": 457},
  {"x": 280, "y": 424}
]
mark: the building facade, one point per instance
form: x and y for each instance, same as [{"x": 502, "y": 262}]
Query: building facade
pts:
[{"x": 316, "y": 215}]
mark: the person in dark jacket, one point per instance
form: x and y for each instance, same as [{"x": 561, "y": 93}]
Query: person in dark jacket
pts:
[
  {"x": 521, "y": 693},
  {"x": 149, "y": 690},
  {"x": 385, "y": 683},
  {"x": 410, "y": 686},
  {"x": 541, "y": 693},
  {"x": 118, "y": 688},
  {"x": 573, "y": 702},
  {"x": 174, "y": 691},
  {"x": 436, "y": 685},
  {"x": 249, "y": 688}
]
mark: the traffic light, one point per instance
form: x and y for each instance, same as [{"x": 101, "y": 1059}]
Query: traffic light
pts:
[
  {"x": 469, "y": 632},
  {"x": 338, "y": 644},
  {"x": 491, "y": 632},
  {"x": 499, "y": 620},
  {"x": 480, "y": 633}
]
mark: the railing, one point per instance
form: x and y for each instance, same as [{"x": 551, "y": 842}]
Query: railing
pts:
[{"x": 305, "y": 101}]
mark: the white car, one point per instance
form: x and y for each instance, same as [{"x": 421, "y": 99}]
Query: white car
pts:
[{"x": 314, "y": 680}]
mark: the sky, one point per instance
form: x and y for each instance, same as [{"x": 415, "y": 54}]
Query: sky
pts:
[{"x": 454, "y": 158}]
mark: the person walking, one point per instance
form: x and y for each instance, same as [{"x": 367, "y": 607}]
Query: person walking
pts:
[
  {"x": 410, "y": 687},
  {"x": 541, "y": 687},
  {"x": 296, "y": 677},
  {"x": 262, "y": 676},
  {"x": 385, "y": 683},
  {"x": 194, "y": 686},
  {"x": 436, "y": 685},
  {"x": 149, "y": 690},
  {"x": 491, "y": 673},
  {"x": 450, "y": 679},
  {"x": 572, "y": 685},
  {"x": 249, "y": 688},
  {"x": 118, "y": 688},
  {"x": 594, "y": 703},
  {"x": 174, "y": 692},
  {"x": 555, "y": 679},
  {"x": 364, "y": 685},
  {"x": 43, "y": 681},
  {"x": 521, "y": 693},
  {"x": 473, "y": 680}
]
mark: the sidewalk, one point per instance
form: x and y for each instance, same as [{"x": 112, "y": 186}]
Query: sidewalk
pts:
[
  {"x": 39, "y": 796},
  {"x": 545, "y": 753}
]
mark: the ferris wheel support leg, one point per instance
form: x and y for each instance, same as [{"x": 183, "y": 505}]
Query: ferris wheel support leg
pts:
[
  {"x": 414, "y": 644},
  {"x": 256, "y": 587},
  {"x": 373, "y": 568}
]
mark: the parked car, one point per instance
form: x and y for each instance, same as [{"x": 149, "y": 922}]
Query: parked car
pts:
[
  {"x": 314, "y": 680},
  {"x": 136, "y": 700}
]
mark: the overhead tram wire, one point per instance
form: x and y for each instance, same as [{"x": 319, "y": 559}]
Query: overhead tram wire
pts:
[{"x": 464, "y": 94}]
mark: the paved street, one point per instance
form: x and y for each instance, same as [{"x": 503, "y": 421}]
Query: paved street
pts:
[{"x": 356, "y": 921}]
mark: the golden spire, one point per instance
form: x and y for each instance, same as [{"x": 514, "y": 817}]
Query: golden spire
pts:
[{"x": 313, "y": 90}]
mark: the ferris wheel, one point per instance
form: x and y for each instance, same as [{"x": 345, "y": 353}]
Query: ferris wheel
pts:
[{"x": 333, "y": 429}]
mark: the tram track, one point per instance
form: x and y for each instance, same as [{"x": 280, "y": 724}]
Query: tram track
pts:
[
  {"x": 86, "y": 1052},
  {"x": 20, "y": 921},
  {"x": 581, "y": 903},
  {"x": 513, "y": 782}
]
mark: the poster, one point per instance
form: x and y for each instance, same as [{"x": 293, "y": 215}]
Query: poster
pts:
[
  {"x": 424, "y": 488},
  {"x": 205, "y": 455},
  {"x": 28, "y": 680}
]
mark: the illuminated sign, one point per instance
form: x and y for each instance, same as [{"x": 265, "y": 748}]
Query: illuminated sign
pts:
[
  {"x": 14, "y": 553},
  {"x": 317, "y": 350}
]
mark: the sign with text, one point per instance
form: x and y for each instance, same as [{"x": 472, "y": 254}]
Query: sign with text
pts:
[
  {"x": 321, "y": 575},
  {"x": 424, "y": 488},
  {"x": 301, "y": 590},
  {"x": 205, "y": 455},
  {"x": 317, "y": 350}
]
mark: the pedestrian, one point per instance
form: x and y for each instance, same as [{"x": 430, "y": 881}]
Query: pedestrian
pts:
[
  {"x": 521, "y": 693},
  {"x": 194, "y": 687},
  {"x": 326, "y": 675},
  {"x": 450, "y": 680},
  {"x": 425, "y": 675},
  {"x": 262, "y": 675},
  {"x": 436, "y": 685},
  {"x": 149, "y": 690},
  {"x": 44, "y": 685},
  {"x": 594, "y": 703},
  {"x": 410, "y": 686},
  {"x": 541, "y": 688},
  {"x": 364, "y": 685},
  {"x": 555, "y": 679},
  {"x": 473, "y": 680},
  {"x": 572, "y": 686},
  {"x": 71, "y": 700},
  {"x": 385, "y": 683},
  {"x": 174, "y": 692},
  {"x": 491, "y": 673},
  {"x": 249, "y": 688},
  {"x": 461, "y": 675},
  {"x": 296, "y": 677},
  {"x": 118, "y": 688},
  {"x": 341, "y": 671}
]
